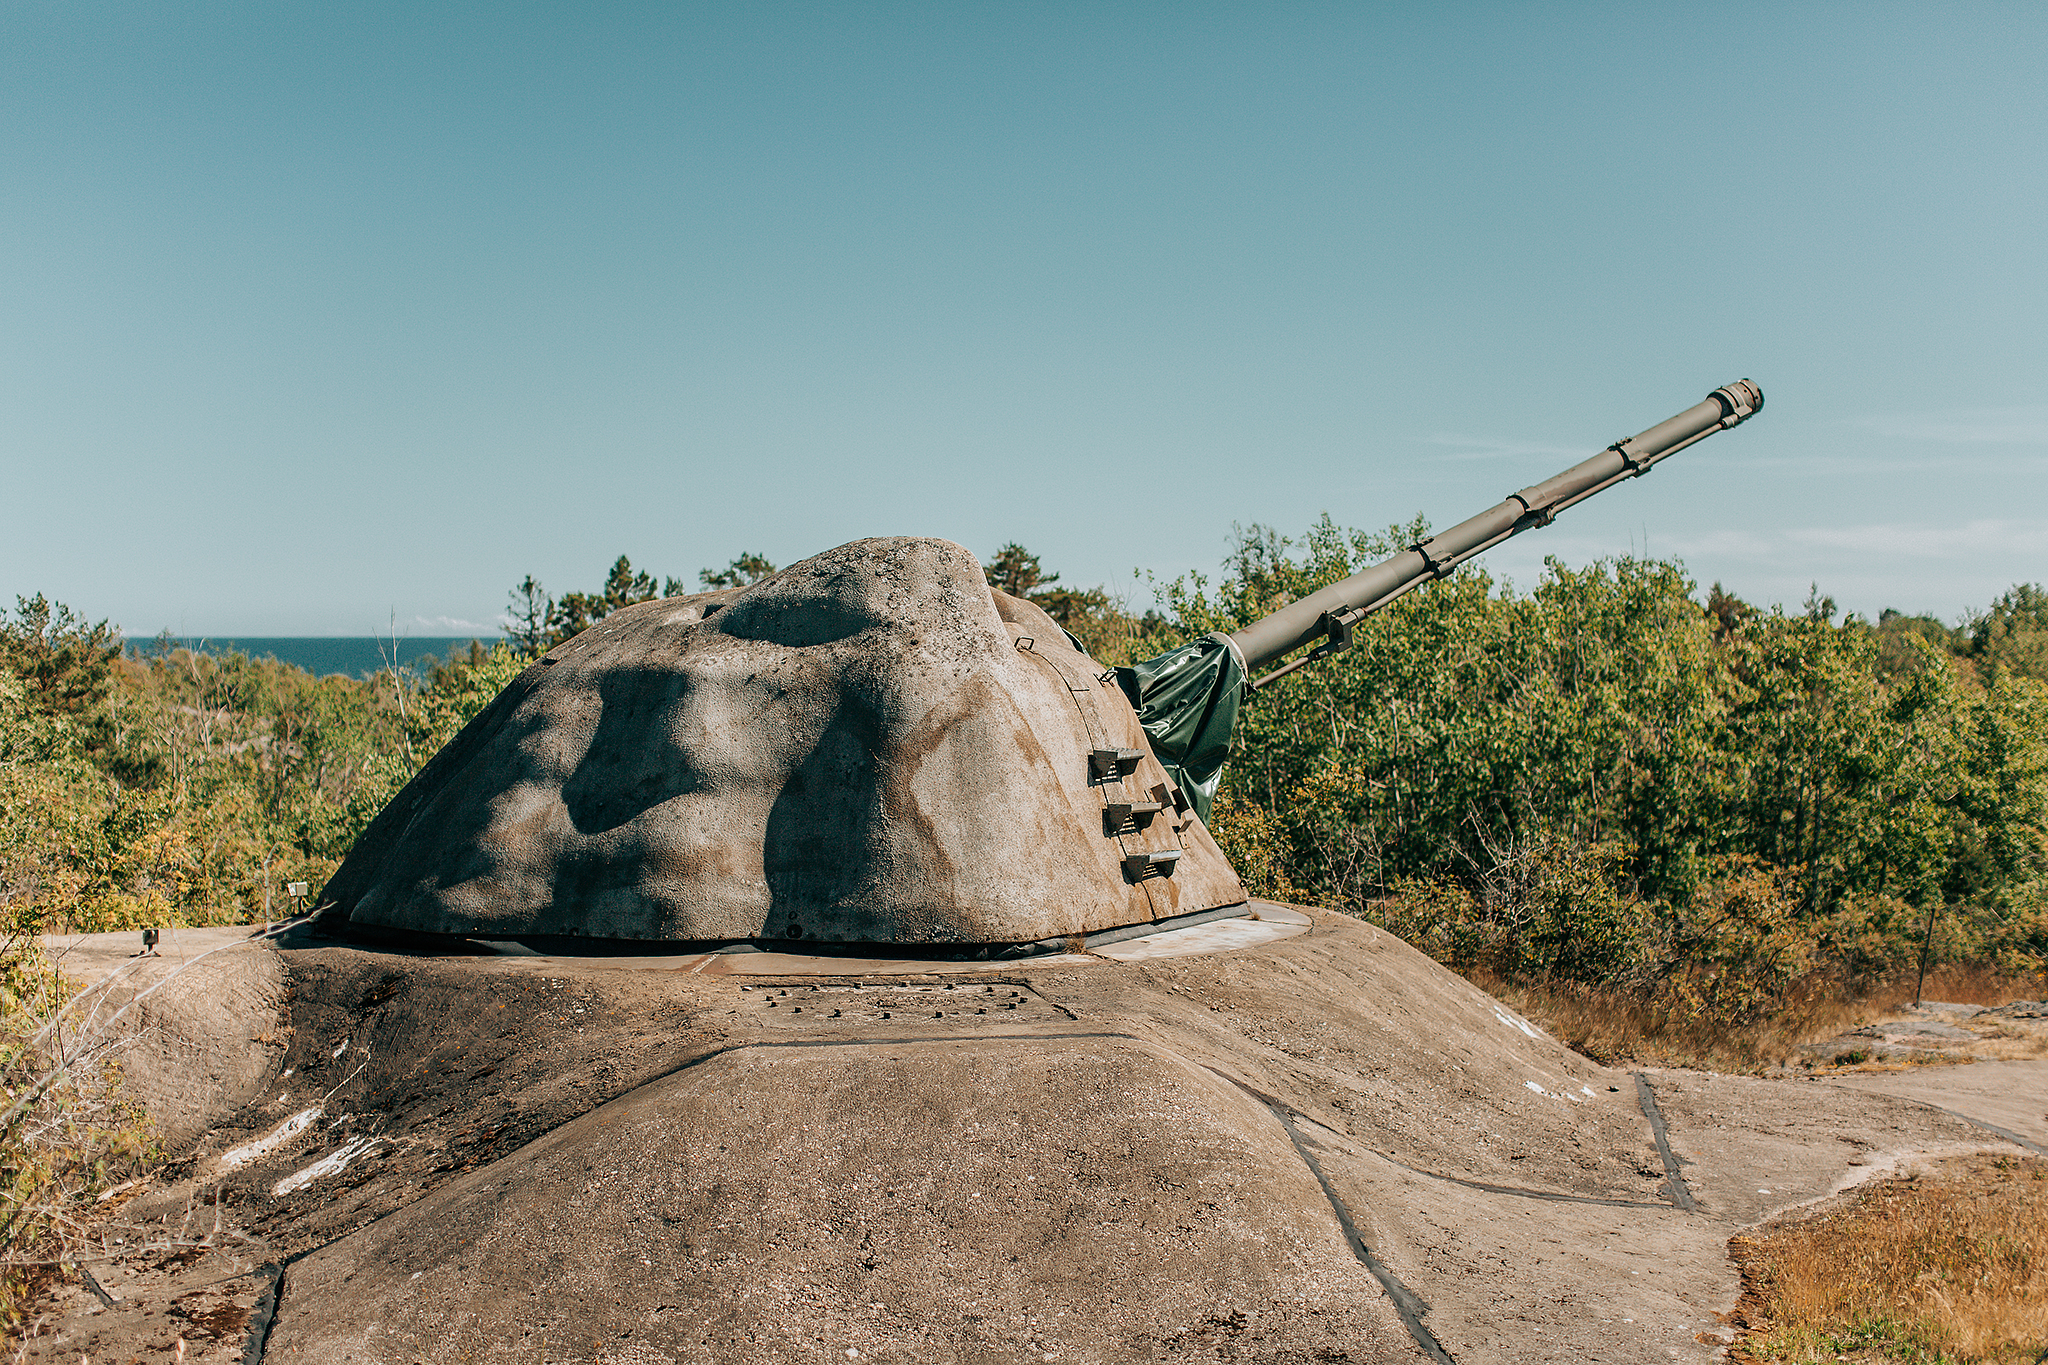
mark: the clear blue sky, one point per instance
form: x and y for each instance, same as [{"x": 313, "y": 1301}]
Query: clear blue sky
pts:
[{"x": 310, "y": 314}]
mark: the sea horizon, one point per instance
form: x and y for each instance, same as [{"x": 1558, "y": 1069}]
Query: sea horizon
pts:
[{"x": 356, "y": 656}]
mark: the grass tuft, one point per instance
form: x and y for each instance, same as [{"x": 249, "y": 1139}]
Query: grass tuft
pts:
[{"x": 1943, "y": 1266}]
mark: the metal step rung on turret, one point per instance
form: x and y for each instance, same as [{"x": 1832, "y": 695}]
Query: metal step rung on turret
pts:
[
  {"x": 1136, "y": 864},
  {"x": 1117, "y": 814},
  {"x": 1108, "y": 763}
]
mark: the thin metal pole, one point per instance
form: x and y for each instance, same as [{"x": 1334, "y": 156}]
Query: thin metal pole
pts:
[{"x": 1926, "y": 942}]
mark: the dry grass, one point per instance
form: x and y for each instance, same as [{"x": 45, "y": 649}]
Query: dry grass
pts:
[
  {"x": 2008, "y": 1045},
  {"x": 1945, "y": 1265},
  {"x": 1964, "y": 985},
  {"x": 70, "y": 1134},
  {"x": 1618, "y": 1027}
]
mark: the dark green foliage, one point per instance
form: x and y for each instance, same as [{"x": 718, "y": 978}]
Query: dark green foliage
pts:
[
  {"x": 748, "y": 568},
  {"x": 195, "y": 785},
  {"x": 62, "y": 660},
  {"x": 537, "y": 621},
  {"x": 2011, "y": 639},
  {"x": 1727, "y": 613},
  {"x": 575, "y": 612},
  {"x": 1109, "y": 633},
  {"x": 1016, "y": 571},
  {"x": 1549, "y": 911},
  {"x": 1906, "y": 644},
  {"x": 1596, "y": 780}
]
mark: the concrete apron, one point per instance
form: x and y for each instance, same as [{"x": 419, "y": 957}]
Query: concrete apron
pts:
[{"x": 1282, "y": 1138}]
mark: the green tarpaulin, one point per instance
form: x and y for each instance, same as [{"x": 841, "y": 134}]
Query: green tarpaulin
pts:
[{"x": 1187, "y": 701}]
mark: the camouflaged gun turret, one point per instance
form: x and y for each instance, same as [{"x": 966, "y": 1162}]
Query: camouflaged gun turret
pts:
[{"x": 870, "y": 747}]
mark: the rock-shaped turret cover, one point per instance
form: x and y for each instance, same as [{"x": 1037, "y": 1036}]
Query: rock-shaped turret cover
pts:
[{"x": 869, "y": 746}]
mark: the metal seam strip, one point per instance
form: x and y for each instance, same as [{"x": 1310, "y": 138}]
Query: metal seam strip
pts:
[
  {"x": 264, "y": 1313},
  {"x": 1681, "y": 1197},
  {"x": 98, "y": 1290},
  {"x": 2007, "y": 1134},
  {"x": 1408, "y": 1305},
  {"x": 1991, "y": 1128},
  {"x": 1521, "y": 1193}
]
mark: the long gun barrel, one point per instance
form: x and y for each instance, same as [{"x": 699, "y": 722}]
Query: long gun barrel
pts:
[{"x": 1329, "y": 613}]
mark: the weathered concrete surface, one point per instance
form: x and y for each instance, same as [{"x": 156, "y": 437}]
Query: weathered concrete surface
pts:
[
  {"x": 867, "y": 746},
  {"x": 2009, "y": 1095},
  {"x": 695, "y": 1159},
  {"x": 967, "y": 1200},
  {"x": 195, "y": 1046}
]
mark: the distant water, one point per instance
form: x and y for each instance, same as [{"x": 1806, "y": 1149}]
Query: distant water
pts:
[{"x": 356, "y": 655}]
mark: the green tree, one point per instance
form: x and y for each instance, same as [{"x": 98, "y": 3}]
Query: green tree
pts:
[
  {"x": 1897, "y": 653},
  {"x": 575, "y": 612},
  {"x": 531, "y": 606},
  {"x": 538, "y": 622},
  {"x": 456, "y": 691},
  {"x": 747, "y": 568},
  {"x": 1016, "y": 571},
  {"x": 62, "y": 660},
  {"x": 1607, "y": 728},
  {"x": 1727, "y": 612},
  {"x": 1107, "y": 633},
  {"x": 2011, "y": 637}
]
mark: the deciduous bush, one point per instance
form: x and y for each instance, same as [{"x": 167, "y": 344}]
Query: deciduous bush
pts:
[{"x": 1605, "y": 780}]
